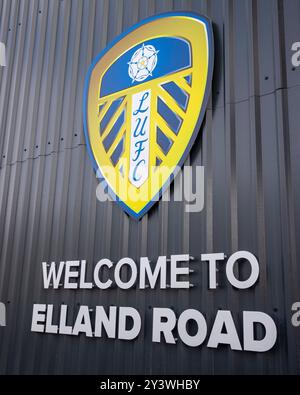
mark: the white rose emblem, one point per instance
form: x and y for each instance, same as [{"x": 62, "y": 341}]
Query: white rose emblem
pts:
[{"x": 142, "y": 63}]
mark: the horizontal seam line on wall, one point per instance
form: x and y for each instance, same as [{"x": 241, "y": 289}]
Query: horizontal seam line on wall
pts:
[
  {"x": 254, "y": 96},
  {"x": 41, "y": 156},
  {"x": 208, "y": 108}
]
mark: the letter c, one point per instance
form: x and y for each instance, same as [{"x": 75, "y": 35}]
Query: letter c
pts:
[
  {"x": 134, "y": 171},
  {"x": 100, "y": 284}
]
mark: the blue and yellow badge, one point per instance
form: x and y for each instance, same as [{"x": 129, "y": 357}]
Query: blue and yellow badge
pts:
[{"x": 144, "y": 101}]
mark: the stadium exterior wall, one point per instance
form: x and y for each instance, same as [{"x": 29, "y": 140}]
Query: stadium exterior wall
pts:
[{"x": 249, "y": 145}]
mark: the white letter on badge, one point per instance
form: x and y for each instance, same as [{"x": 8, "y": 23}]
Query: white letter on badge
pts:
[{"x": 139, "y": 138}]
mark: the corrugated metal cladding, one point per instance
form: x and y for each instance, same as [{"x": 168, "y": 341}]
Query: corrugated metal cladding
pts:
[{"x": 249, "y": 145}]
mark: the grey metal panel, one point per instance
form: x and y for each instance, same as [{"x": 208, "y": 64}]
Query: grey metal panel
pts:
[{"x": 249, "y": 144}]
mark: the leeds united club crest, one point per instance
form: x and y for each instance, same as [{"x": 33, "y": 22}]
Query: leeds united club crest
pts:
[{"x": 144, "y": 100}]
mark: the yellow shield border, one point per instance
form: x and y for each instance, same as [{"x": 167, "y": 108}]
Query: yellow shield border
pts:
[{"x": 202, "y": 106}]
